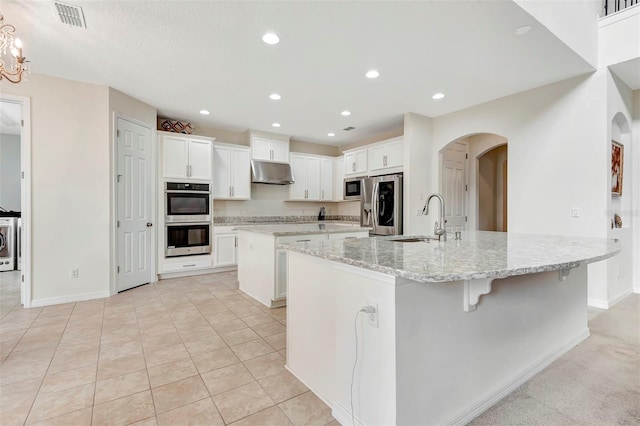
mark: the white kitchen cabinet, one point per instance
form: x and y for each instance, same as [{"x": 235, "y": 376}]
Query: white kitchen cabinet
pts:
[
  {"x": 306, "y": 175},
  {"x": 326, "y": 179},
  {"x": 225, "y": 248},
  {"x": 338, "y": 178},
  {"x": 386, "y": 155},
  {"x": 355, "y": 162},
  {"x": 231, "y": 167},
  {"x": 186, "y": 157},
  {"x": 269, "y": 149}
]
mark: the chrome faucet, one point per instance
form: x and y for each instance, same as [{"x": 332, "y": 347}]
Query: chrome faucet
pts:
[{"x": 438, "y": 229}]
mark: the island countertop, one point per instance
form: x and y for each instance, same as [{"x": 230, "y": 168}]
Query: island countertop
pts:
[
  {"x": 286, "y": 229},
  {"x": 478, "y": 255}
]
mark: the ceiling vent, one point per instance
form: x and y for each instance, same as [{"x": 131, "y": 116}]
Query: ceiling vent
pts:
[
  {"x": 348, "y": 129},
  {"x": 70, "y": 15}
]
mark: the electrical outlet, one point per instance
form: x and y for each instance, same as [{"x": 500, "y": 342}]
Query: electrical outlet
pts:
[
  {"x": 74, "y": 273},
  {"x": 373, "y": 317},
  {"x": 575, "y": 212}
]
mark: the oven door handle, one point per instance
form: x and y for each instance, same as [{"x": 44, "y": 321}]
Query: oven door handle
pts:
[
  {"x": 186, "y": 223},
  {"x": 173, "y": 191}
]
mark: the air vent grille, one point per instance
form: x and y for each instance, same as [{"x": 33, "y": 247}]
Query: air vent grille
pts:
[
  {"x": 71, "y": 15},
  {"x": 348, "y": 129}
]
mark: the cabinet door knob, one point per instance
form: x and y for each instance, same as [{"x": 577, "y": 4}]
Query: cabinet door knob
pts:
[{"x": 149, "y": 224}]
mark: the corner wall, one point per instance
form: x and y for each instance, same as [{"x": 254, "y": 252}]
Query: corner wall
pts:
[{"x": 70, "y": 187}]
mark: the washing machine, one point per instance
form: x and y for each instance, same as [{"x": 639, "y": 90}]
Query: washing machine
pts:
[{"x": 8, "y": 243}]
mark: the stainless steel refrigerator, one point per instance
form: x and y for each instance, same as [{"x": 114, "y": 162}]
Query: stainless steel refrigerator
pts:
[{"x": 381, "y": 204}]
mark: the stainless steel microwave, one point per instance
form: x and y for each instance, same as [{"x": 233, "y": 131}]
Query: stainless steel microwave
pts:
[
  {"x": 186, "y": 239},
  {"x": 353, "y": 188},
  {"x": 187, "y": 202}
]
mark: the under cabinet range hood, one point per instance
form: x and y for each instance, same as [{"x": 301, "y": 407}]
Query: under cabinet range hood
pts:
[{"x": 271, "y": 172}]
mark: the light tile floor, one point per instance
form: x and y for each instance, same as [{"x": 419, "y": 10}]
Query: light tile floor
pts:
[
  {"x": 198, "y": 351},
  {"x": 183, "y": 351}
]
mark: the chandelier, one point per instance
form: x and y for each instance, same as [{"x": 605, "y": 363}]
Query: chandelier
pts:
[{"x": 19, "y": 66}]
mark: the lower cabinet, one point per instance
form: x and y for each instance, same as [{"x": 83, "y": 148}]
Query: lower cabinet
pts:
[{"x": 225, "y": 246}]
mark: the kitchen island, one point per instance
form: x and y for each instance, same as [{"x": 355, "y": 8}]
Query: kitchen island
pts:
[
  {"x": 458, "y": 325},
  {"x": 262, "y": 266}
]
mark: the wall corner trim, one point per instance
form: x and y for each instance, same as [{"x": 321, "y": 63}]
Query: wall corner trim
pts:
[{"x": 79, "y": 297}]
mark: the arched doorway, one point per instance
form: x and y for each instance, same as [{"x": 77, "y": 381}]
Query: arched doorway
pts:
[{"x": 492, "y": 190}]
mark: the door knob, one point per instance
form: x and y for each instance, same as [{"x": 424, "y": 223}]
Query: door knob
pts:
[{"x": 149, "y": 224}]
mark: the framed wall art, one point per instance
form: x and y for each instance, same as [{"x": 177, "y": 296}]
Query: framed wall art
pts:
[{"x": 617, "y": 160}]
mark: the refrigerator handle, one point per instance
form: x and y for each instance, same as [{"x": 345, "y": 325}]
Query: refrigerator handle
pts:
[{"x": 374, "y": 205}]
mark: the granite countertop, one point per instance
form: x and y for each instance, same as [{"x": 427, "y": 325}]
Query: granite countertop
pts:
[
  {"x": 478, "y": 255},
  {"x": 285, "y": 229}
]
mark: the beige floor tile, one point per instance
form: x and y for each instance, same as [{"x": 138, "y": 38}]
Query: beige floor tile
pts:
[
  {"x": 16, "y": 400},
  {"x": 63, "y": 360},
  {"x": 279, "y": 314},
  {"x": 199, "y": 413},
  {"x": 124, "y": 411},
  {"x": 245, "y": 310},
  {"x": 121, "y": 386},
  {"x": 75, "y": 418},
  {"x": 214, "y": 360},
  {"x": 205, "y": 345},
  {"x": 16, "y": 370},
  {"x": 251, "y": 349},
  {"x": 178, "y": 394},
  {"x": 54, "y": 404},
  {"x": 170, "y": 337},
  {"x": 156, "y": 355},
  {"x": 277, "y": 341},
  {"x": 151, "y": 421},
  {"x": 121, "y": 350},
  {"x": 269, "y": 329},
  {"x": 12, "y": 335},
  {"x": 120, "y": 366},
  {"x": 261, "y": 318},
  {"x": 197, "y": 333},
  {"x": 54, "y": 382},
  {"x": 240, "y": 336},
  {"x": 171, "y": 372},
  {"x": 265, "y": 365},
  {"x": 227, "y": 378},
  {"x": 229, "y": 326},
  {"x": 6, "y": 348},
  {"x": 282, "y": 386},
  {"x": 306, "y": 409},
  {"x": 242, "y": 402},
  {"x": 272, "y": 416}
]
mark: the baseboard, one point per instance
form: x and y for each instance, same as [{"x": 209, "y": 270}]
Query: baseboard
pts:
[
  {"x": 598, "y": 303},
  {"x": 36, "y": 303},
  {"x": 180, "y": 274},
  {"x": 343, "y": 415},
  {"x": 606, "y": 304},
  {"x": 518, "y": 380}
]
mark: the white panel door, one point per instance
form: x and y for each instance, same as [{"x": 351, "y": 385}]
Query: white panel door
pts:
[
  {"x": 454, "y": 188},
  {"x": 298, "y": 189},
  {"x": 134, "y": 226},
  {"x": 225, "y": 250},
  {"x": 240, "y": 173},
  {"x": 260, "y": 149},
  {"x": 200, "y": 159},
  {"x": 221, "y": 171},
  {"x": 312, "y": 168},
  {"x": 395, "y": 154},
  {"x": 280, "y": 151}
]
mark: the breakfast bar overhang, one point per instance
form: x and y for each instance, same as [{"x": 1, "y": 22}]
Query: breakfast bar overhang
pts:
[{"x": 460, "y": 324}]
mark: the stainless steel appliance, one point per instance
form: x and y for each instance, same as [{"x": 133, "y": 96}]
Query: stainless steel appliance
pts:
[
  {"x": 7, "y": 243},
  {"x": 19, "y": 246},
  {"x": 187, "y": 202},
  {"x": 185, "y": 239},
  {"x": 381, "y": 204},
  {"x": 353, "y": 188}
]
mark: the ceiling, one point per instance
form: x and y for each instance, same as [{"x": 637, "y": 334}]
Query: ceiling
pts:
[{"x": 184, "y": 56}]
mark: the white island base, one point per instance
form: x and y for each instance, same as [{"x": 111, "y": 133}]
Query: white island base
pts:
[{"x": 428, "y": 362}]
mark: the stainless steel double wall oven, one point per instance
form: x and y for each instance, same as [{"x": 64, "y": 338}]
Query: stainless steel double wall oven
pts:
[{"x": 187, "y": 218}]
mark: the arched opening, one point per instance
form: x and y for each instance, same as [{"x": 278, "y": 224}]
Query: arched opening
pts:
[
  {"x": 473, "y": 182},
  {"x": 492, "y": 190}
]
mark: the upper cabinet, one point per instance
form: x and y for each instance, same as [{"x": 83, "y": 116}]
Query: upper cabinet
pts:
[
  {"x": 355, "y": 162},
  {"x": 231, "y": 176},
  {"x": 386, "y": 156},
  {"x": 313, "y": 176},
  {"x": 338, "y": 178},
  {"x": 269, "y": 149},
  {"x": 186, "y": 157}
]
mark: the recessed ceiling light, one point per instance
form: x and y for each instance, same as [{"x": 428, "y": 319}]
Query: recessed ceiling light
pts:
[
  {"x": 204, "y": 112},
  {"x": 522, "y": 30},
  {"x": 276, "y": 124},
  {"x": 270, "y": 38},
  {"x": 275, "y": 96},
  {"x": 331, "y": 134},
  {"x": 438, "y": 96},
  {"x": 372, "y": 74},
  {"x": 345, "y": 113}
]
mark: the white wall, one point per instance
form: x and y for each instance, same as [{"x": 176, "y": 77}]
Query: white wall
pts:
[
  {"x": 573, "y": 22},
  {"x": 10, "y": 172},
  {"x": 635, "y": 217},
  {"x": 618, "y": 37}
]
